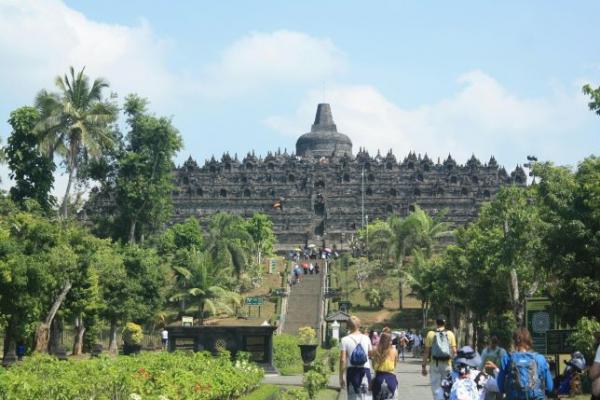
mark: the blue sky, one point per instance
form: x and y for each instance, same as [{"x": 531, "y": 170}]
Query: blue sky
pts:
[{"x": 480, "y": 77}]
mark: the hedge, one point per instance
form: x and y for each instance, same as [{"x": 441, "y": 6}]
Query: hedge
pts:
[{"x": 149, "y": 376}]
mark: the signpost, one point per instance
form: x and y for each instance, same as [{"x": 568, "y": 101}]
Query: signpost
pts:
[
  {"x": 272, "y": 265},
  {"x": 254, "y": 301},
  {"x": 540, "y": 318}
]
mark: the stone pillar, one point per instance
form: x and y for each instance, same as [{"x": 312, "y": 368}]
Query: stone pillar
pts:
[{"x": 335, "y": 330}]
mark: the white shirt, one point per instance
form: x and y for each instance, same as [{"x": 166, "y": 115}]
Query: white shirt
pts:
[
  {"x": 597, "y": 358},
  {"x": 165, "y": 334},
  {"x": 349, "y": 343}
]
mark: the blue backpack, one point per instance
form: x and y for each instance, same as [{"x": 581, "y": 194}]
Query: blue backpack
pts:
[
  {"x": 523, "y": 379},
  {"x": 358, "y": 358}
]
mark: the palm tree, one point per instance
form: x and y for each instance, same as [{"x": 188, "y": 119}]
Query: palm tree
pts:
[
  {"x": 419, "y": 278},
  {"x": 75, "y": 122},
  {"x": 228, "y": 243},
  {"x": 205, "y": 286},
  {"x": 417, "y": 231}
]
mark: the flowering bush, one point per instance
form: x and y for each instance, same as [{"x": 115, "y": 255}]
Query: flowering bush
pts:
[
  {"x": 150, "y": 376},
  {"x": 133, "y": 334}
]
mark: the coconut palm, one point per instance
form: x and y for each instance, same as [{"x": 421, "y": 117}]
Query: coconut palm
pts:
[
  {"x": 202, "y": 285},
  {"x": 75, "y": 123},
  {"x": 228, "y": 242},
  {"x": 417, "y": 231}
]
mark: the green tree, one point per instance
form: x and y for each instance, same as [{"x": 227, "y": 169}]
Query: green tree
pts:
[
  {"x": 75, "y": 123},
  {"x": 570, "y": 208},
  {"x": 132, "y": 286},
  {"x": 206, "y": 288},
  {"x": 186, "y": 235},
  {"x": 417, "y": 231},
  {"x": 144, "y": 181},
  {"x": 260, "y": 228},
  {"x": 228, "y": 242},
  {"x": 31, "y": 170},
  {"x": 594, "y": 94}
]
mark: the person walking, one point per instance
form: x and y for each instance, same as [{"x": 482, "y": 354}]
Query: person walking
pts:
[
  {"x": 440, "y": 348},
  {"x": 492, "y": 354},
  {"x": 524, "y": 374},
  {"x": 384, "y": 356},
  {"x": 403, "y": 342},
  {"x": 355, "y": 367},
  {"x": 164, "y": 338}
]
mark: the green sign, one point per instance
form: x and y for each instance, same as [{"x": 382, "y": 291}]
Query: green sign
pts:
[
  {"x": 272, "y": 265},
  {"x": 254, "y": 301},
  {"x": 540, "y": 319}
]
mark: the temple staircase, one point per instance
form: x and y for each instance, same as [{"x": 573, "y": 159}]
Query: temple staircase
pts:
[{"x": 304, "y": 304}]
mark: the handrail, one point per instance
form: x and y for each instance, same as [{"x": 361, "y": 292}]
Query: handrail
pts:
[{"x": 284, "y": 303}]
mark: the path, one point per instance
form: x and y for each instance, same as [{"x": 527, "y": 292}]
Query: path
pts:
[
  {"x": 303, "y": 304},
  {"x": 411, "y": 384}
]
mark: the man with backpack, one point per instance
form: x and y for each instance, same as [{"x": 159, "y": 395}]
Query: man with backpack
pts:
[
  {"x": 440, "y": 348},
  {"x": 524, "y": 374},
  {"x": 355, "y": 368}
]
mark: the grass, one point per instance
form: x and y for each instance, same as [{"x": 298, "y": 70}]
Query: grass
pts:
[
  {"x": 269, "y": 392},
  {"x": 389, "y": 314},
  {"x": 267, "y": 310},
  {"x": 264, "y": 392}
]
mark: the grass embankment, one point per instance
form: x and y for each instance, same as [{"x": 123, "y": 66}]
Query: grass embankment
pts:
[
  {"x": 390, "y": 314},
  {"x": 267, "y": 310}
]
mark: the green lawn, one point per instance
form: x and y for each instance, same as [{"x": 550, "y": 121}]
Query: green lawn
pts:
[{"x": 267, "y": 392}]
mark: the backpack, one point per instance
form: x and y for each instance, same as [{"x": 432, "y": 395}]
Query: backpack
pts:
[
  {"x": 464, "y": 389},
  {"x": 440, "y": 350},
  {"x": 358, "y": 356},
  {"x": 522, "y": 377}
]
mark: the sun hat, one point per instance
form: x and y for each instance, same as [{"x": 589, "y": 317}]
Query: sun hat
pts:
[{"x": 467, "y": 356}]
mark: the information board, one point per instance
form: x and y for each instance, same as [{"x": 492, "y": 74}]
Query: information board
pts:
[
  {"x": 540, "y": 319},
  {"x": 254, "y": 301}
]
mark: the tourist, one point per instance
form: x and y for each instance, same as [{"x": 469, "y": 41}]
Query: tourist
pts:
[
  {"x": 316, "y": 268},
  {"x": 440, "y": 348},
  {"x": 311, "y": 268},
  {"x": 416, "y": 346},
  {"x": 467, "y": 381},
  {"x": 524, "y": 374},
  {"x": 403, "y": 342},
  {"x": 164, "y": 338},
  {"x": 355, "y": 368},
  {"x": 492, "y": 352},
  {"x": 594, "y": 373},
  {"x": 20, "y": 351},
  {"x": 385, "y": 383}
]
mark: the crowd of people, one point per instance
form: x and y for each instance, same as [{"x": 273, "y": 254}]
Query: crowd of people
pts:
[{"x": 368, "y": 362}]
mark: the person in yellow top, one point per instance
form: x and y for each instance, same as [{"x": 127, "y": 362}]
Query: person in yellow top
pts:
[
  {"x": 439, "y": 350},
  {"x": 383, "y": 357}
]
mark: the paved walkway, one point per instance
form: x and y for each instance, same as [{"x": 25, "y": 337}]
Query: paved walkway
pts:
[{"x": 411, "y": 384}]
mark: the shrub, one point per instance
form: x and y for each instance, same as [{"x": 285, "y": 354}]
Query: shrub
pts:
[
  {"x": 286, "y": 356},
  {"x": 293, "y": 394},
  {"x": 315, "y": 380},
  {"x": 264, "y": 392},
  {"x": 132, "y": 334},
  {"x": 307, "y": 335},
  {"x": 583, "y": 339},
  {"x": 150, "y": 376}
]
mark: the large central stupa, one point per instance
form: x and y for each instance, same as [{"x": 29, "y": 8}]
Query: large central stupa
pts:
[{"x": 323, "y": 140}]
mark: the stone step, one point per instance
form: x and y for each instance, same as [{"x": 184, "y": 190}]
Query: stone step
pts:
[{"x": 303, "y": 304}]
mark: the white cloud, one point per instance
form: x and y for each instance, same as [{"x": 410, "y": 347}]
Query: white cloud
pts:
[
  {"x": 263, "y": 60},
  {"x": 483, "y": 118},
  {"x": 40, "y": 38}
]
